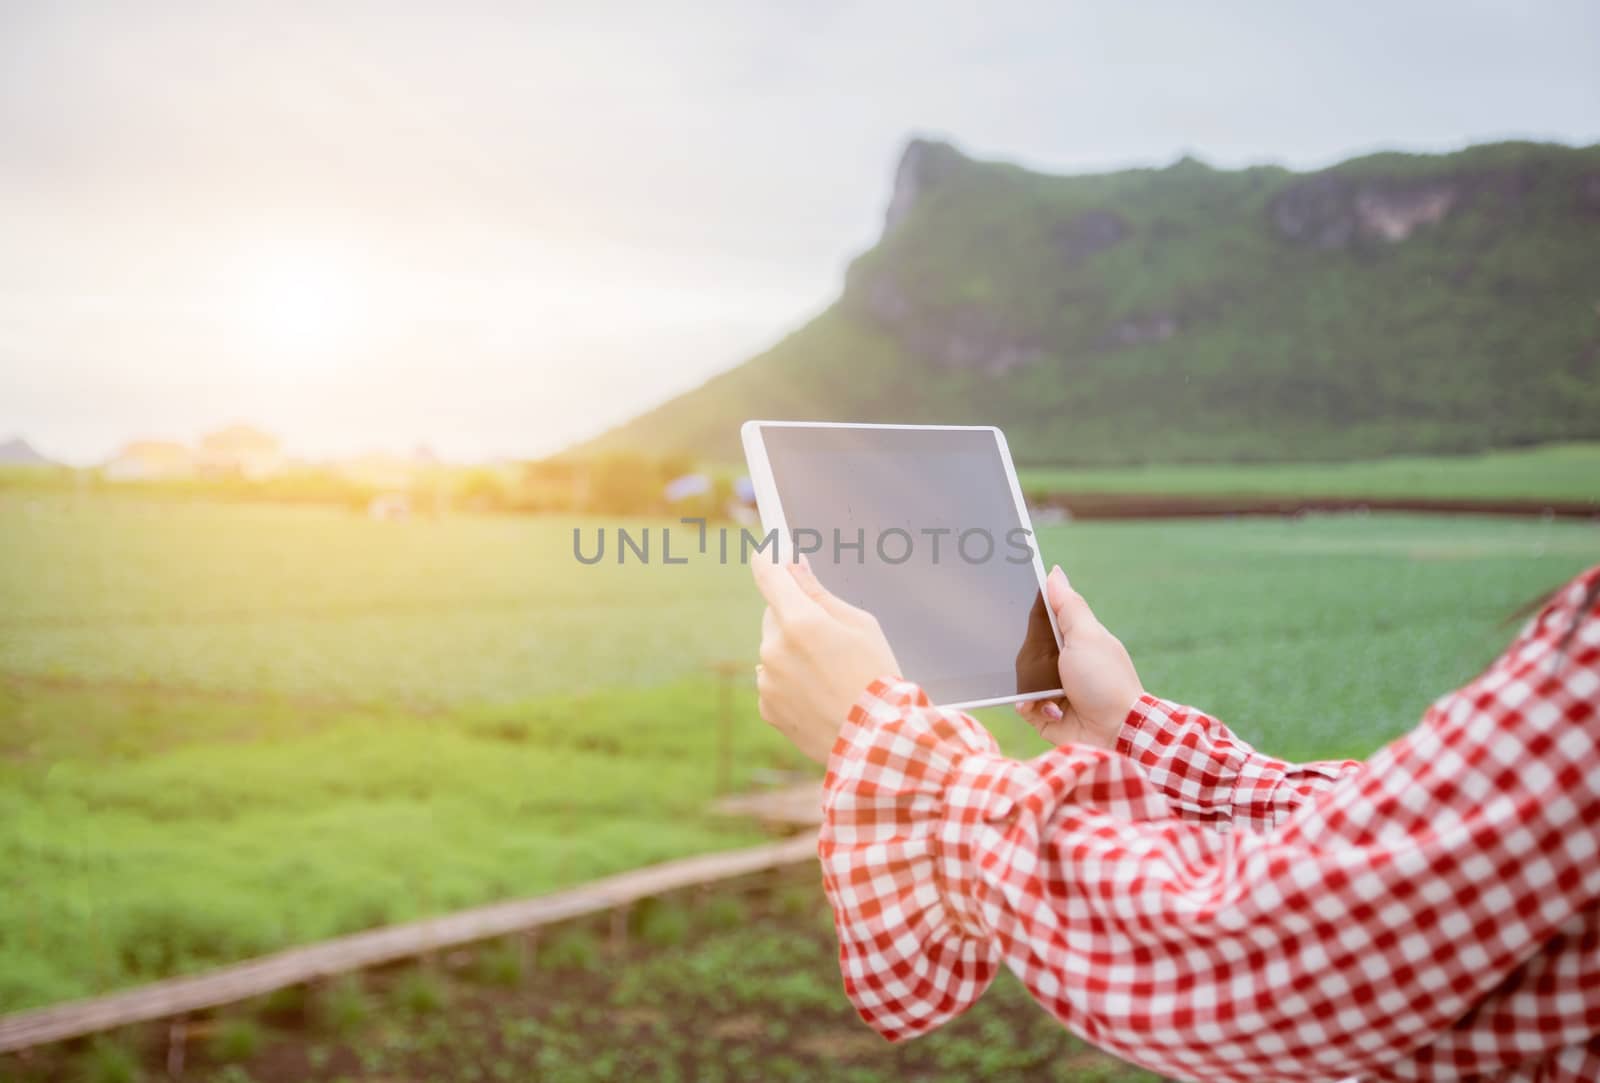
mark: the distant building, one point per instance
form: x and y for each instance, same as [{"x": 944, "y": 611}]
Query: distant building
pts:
[
  {"x": 151, "y": 460},
  {"x": 241, "y": 451}
]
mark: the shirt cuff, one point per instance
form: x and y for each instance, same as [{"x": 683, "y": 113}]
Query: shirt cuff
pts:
[
  {"x": 1149, "y": 725},
  {"x": 905, "y": 783}
]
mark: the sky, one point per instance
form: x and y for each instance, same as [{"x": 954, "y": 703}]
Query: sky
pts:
[{"x": 496, "y": 228}]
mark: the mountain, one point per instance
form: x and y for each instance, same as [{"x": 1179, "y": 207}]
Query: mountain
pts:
[
  {"x": 1392, "y": 303},
  {"x": 18, "y": 452}
]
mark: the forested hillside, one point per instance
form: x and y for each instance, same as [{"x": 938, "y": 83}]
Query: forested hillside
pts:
[{"x": 1393, "y": 303}]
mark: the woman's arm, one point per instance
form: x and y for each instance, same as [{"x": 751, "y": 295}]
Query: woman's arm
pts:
[
  {"x": 1350, "y": 936},
  {"x": 1208, "y": 774},
  {"x": 1346, "y": 939},
  {"x": 1204, "y": 771}
]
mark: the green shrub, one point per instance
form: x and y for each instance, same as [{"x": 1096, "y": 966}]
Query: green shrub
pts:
[
  {"x": 659, "y": 923},
  {"x": 232, "y": 1073},
  {"x": 235, "y": 1040},
  {"x": 343, "y": 1006},
  {"x": 722, "y": 912},
  {"x": 574, "y": 949},
  {"x": 797, "y": 901},
  {"x": 290, "y": 1004},
  {"x": 419, "y": 992},
  {"x": 498, "y": 964},
  {"x": 108, "y": 1060}
]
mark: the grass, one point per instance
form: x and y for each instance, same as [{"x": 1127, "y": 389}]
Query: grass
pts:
[
  {"x": 235, "y": 1040},
  {"x": 343, "y": 1006},
  {"x": 108, "y": 1061},
  {"x": 499, "y": 964},
  {"x": 419, "y": 992},
  {"x": 225, "y": 730},
  {"x": 1557, "y": 472},
  {"x": 122, "y": 870},
  {"x": 570, "y": 950}
]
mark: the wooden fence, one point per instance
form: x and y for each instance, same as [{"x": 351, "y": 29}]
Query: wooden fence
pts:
[{"x": 176, "y": 997}]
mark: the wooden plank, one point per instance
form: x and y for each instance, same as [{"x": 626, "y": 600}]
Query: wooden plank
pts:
[{"x": 358, "y": 951}]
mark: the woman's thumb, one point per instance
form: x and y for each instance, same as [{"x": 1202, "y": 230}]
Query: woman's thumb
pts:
[
  {"x": 1068, "y": 605},
  {"x": 829, "y": 601}
]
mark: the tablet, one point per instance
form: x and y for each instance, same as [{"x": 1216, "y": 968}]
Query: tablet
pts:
[{"x": 923, "y": 526}]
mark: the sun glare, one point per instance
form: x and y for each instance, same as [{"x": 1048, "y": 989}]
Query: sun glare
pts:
[{"x": 301, "y": 309}]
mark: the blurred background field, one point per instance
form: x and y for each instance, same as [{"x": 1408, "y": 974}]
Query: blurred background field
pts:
[{"x": 227, "y": 728}]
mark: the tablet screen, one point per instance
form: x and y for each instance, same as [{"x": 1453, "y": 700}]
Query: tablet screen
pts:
[{"x": 919, "y": 527}]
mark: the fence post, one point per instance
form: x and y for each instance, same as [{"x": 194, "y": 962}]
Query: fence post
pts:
[
  {"x": 177, "y": 1039},
  {"x": 726, "y": 673}
]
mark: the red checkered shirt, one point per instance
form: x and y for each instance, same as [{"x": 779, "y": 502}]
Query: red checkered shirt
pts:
[{"x": 1211, "y": 913}]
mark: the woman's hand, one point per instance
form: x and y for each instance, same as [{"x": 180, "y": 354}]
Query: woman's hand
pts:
[
  {"x": 1097, "y": 676},
  {"x": 818, "y": 654}
]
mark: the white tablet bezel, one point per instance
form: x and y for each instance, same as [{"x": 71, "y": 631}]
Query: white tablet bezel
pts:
[{"x": 770, "y": 507}]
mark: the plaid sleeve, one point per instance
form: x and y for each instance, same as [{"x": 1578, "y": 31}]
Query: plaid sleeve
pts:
[
  {"x": 1209, "y": 775},
  {"x": 1427, "y": 917},
  {"x": 911, "y": 945}
]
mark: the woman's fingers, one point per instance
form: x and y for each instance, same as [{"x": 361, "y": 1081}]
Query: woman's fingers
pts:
[
  {"x": 764, "y": 691},
  {"x": 813, "y": 664},
  {"x": 1039, "y": 713},
  {"x": 1049, "y": 710}
]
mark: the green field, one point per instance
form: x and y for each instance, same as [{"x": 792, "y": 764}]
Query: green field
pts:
[
  {"x": 1557, "y": 472},
  {"x": 224, "y": 729}
]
